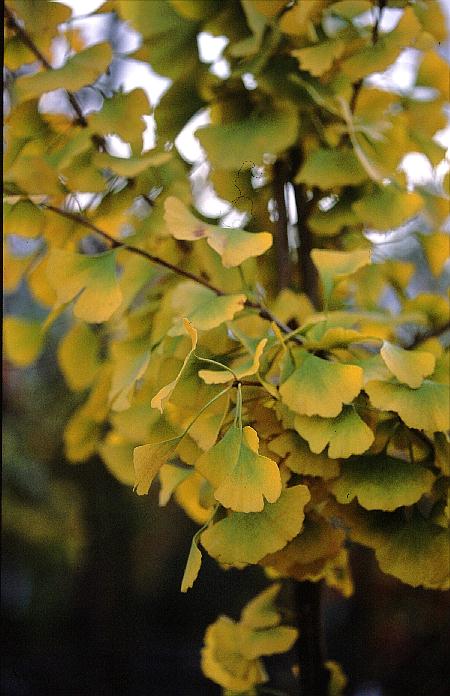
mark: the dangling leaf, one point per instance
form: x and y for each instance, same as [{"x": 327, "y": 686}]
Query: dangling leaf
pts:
[
  {"x": 89, "y": 280},
  {"x": 424, "y": 408},
  {"x": 381, "y": 482},
  {"x": 23, "y": 340},
  {"x": 320, "y": 387},
  {"x": 335, "y": 265},
  {"x": 164, "y": 394},
  {"x": 148, "y": 459},
  {"x": 241, "y": 477},
  {"x": 78, "y": 356},
  {"x": 346, "y": 434},
  {"x": 247, "y": 537},
  {"x": 193, "y": 565},
  {"x": 409, "y": 366},
  {"x": 243, "y": 369}
]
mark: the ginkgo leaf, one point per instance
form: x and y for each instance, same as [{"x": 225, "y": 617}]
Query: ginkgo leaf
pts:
[
  {"x": 23, "y": 218},
  {"x": 270, "y": 641},
  {"x": 387, "y": 207},
  {"x": 232, "y": 244},
  {"x": 437, "y": 251},
  {"x": 328, "y": 168},
  {"x": 122, "y": 115},
  {"x": 80, "y": 70},
  {"x": 164, "y": 394},
  {"x": 78, "y": 356},
  {"x": 89, "y": 280},
  {"x": 261, "y": 611},
  {"x": 117, "y": 454},
  {"x": 204, "y": 309},
  {"x": 424, "y": 408},
  {"x": 244, "y": 369},
  {"x": 346, "y": 434},
  {"x": 348, "y": 9},
  {"x": 320, "y": 387},
  {"x": 193, "y": 565},
  {"x": 148, "y": 459},
  {"x": 241, "y": 477},
  {"x": 255, "y": 136},
  {"x": 300, "y": 459},
  {"x": 409, "y": 366},
  {"x": 381, "y": 482},
  {"x": 223, "y": 662},
  {"x": 23, "y": 340},
  {"x": 130, "y": 362},
  {"x": 335, "y": 265},
  {"x": 247, "y": 537},
  {"x": 319, "y": 58},
  {"x": 130, "y": 166},
  {"x": 324, "y": 337}
]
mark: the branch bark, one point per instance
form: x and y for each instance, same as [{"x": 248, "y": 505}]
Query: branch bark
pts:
[
  {"x": 309, "y": 278},
  {"x": 281, "y": 243}
]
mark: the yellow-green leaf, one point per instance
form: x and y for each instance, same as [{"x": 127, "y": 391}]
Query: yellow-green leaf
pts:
[
  {"x": 243, "y": 369},
  {"x": 241, "y": 477},
  {"x": 23, "y": 340},
  {"x": 247, "y": 537},
  {"x": 78, "y": 356},
  {"x": 193, "y": 565},
  {"x": 387, "y": 207},
  {"x": 122, "y": 115},
  {"x": 164, "y": 394},
  {"x": 148, "y": 459},
  {"x": 89, "y": 280},
  {"x": 320, "y": 387},
  {"x": 319, "y": 58},
  {"x": 346, "y": 434},
  {"x": 424, "y": 408},
  {"x": 300, "y": 459},
  {"x": 381, "y": 482},
  {"x": 80, "y": 70},
  {"x": 204, "y": 309},
  {"x": 409, "y": 366},
  {"x": 335, "y": 265}
]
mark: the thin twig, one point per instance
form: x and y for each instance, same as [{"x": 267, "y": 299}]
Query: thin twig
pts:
[
  {"x": 434, "y": 333},
  {"x": 28, "y": 41}
]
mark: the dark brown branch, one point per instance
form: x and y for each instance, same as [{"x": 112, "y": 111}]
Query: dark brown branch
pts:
[
  {"x": 281, "y": 243},
  {"x": 314, "y": 677},
  {"x": 434, "y": 333},
  {"x": 309, "y": 278},
  {"x": 263, "y": 312},
  {"x": 28, "y": 41}
]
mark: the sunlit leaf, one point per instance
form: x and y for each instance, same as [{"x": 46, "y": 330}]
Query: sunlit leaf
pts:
[
  {"x": 300, "y": 459},
  {"x": 164, "y": 394},
  {"x": 335, "y": 265},
  {"x": 410, "y": 367},
  {"x": 204, "y": 309},
  {"x": 346, "y": 434},
  {"x": 244, "y": 369},
  {"x": 23, "y": 340},
  {"x": 78, "y": 356},
  {"x": 424, "y": 408}
]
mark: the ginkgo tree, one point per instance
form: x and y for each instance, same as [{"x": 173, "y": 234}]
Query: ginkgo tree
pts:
[{"x": 285, "y": 381}]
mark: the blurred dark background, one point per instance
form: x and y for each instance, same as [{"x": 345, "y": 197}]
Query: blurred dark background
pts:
[{"x": 91, "y": 575}]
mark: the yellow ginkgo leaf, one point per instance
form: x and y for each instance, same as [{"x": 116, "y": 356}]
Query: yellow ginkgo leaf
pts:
[
  {"x": 204, "y": 309},
  {"x": 243, "y": 369},
  {"x": 409, "y": 366},
  {"x": 148, "y": 459},
  {"x": 193, "y": 565},
  {"x": 425, "y": 408},
  {"x": 89, "y": 280},
  {"x": 164, "y": 394},
  {"x": 23, "y": 340},
  {"x": 319, "y": 58},
  {"x": 346, "y": 434},
  {"x": 247, "y": 537},
  {"x": 335, "y": 265},
  {"x": 233, "y": 245},
  {"x": 130, "y": 361},
  {"x": 241, "y": 477},
  {"x": 123, "y": 115},
  {"x": 320, "y": 387},
  {"x": 117, "y": 454},
  {"x": 328, "y": 168},
  {"x": 78, "y": 356}
]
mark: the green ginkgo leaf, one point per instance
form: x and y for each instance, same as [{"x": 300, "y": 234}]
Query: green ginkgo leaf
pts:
[
  {"x": 122, "y": 115},
  {"x": 381, "y": 482},
  {"x": 328, "y": 168},
  {"x": 335, "y": 265},
  {"x": 130, "y": 362},
  {"x": 247, "y": 537},
  {"x": 320, "y": 387},
  {"x": 80, "y": 70},
  {"x": 409, "y": 366},
  {"x": 387, "y": 207},
  {"x": 424, "y": 408},
  {"x": 130, "y": 166},
  {"x": 270, "y": 133},
  {"x": 300, "y": 459},
  {"x": 346, "y": 434},
  {"x": 89, "y": 280},
  {"x": 204, "y": 309},
  {"x": 241, "y": 477},
  {"x": 232, "y": 244}
]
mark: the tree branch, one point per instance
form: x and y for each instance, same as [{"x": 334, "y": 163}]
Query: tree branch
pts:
[
  {"x": 281, "y": 243},
  {"x": 28, "y": 41},
  {"x": 434, "y": 333},
  {"x": 263, "y": 312},
  {"x": 309, "y": 278}
]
